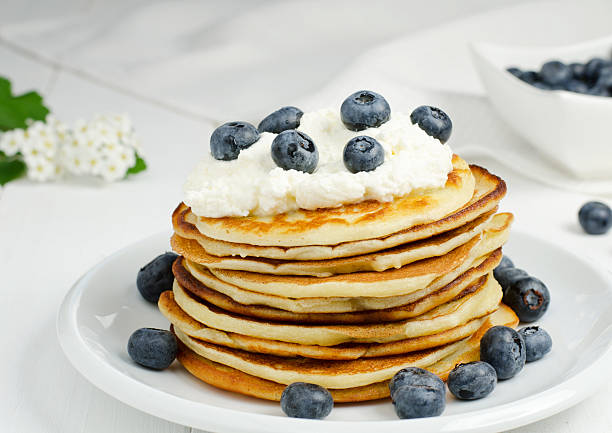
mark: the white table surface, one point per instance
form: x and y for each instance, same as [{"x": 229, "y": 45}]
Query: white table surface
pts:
[{"x": 52, "y": 233}]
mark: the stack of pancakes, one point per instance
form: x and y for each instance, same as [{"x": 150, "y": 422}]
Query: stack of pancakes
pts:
[{"x": 341, "y": 297}]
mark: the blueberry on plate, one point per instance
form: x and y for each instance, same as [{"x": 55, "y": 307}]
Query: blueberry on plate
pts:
[
  {"x": 537, "y": 342},
  {"x": 515, "y": 71},
  {"x": 528, "y": 297},
  {"x": 364, "y": 109},
  {"x": 294, "y": 150},
  {"x": 281, "y": 120},
  {"x": 605, "y": 78},
  {"x": 472, "y": 381},
  {"x": 415, "y": 376},
  {"x": 152, "y": 348},
  {"x": 505, "y": 263},
  {"x": 418, "y": 401},
  {"x": 504, "y": 349},
  {"x": 363, "y": 153},
  {"x": 595, "y": 217},
  {"x": 542, "y": 85},
  {"x": 306, "y": 400},
  {"x": 433, "y": 121},
  {"x": 506, "y": 276},
  {"x": 555, "y": 73},
  {"x": 229, "y": 139},
  {"x": 156, "y": 277}
]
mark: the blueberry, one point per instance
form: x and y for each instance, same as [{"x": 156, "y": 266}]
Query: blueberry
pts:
[
  {"x": 555, "y": 73},
  {"x": 576, "y": 86},
  {"x": 505, "y": 263},
  {"x": 577, "y": 70},
  {"x": 504, "y": 349},
  {"x": 593, "y": 67},
  {"x": 530, "y": 77},
  {"x": 595, "y": 217},
  {"x": 542, "y": 85},
  {"x": 306, "y": 400},
  {"x": 418, "y": 401},
  {"x": 433, "y": 121},
  {"x": 515, "y": 71},
  {"x": 537, "y": 342},
  {"x": 414, "y": 376},
  {"x": 363, "y": 153},
  {"x": 156, "y": 277},
  {"x": 152, "y": 348},
  {"x": 506, "y": 276},
  {"x": 281, "y": 120},
  {"x": 528, "y": 297},
  {"x": 598, "y": 91},
  {"x": 472, "y": 381},
  {"x": 229, "y": 139},
  {"x": 294, "y": 150},
  {"x": 605, "y": 78},
  {"x": 364, "y": 109}
]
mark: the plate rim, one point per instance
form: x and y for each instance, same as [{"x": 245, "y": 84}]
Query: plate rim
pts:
[{"x": 218, "y": 419}]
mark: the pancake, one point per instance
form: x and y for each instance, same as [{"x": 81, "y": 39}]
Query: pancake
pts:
[
  {"x": 412, "y": 309},
  {"x": 378, "y": 261},
  {"x": 265, "y": 376},
  {"x": 392, "y": 282},
  {"x": 339, "y": 304},
  {"x": 450, "y": 315},
  {"x": 364, "y": 220},
  {"x": 488, "y": 191},
  {"x": 194, "y": 329}
]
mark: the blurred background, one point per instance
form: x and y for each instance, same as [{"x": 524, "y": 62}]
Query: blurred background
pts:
[{"x": 181, "y": 68}]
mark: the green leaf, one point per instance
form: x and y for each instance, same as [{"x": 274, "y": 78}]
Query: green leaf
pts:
[
  {"x": 15, "y": 110},
  {"x": 11, "y": 168},
  {"x": 139, "y": 166}
]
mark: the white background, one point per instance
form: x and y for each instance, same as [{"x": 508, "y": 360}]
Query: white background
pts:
[{"x": 181, "y": 68}]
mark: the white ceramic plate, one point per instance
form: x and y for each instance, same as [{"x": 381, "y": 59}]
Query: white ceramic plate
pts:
[{"x": 104, "y": 308}]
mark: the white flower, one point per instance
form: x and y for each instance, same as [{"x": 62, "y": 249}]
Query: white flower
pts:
[
  {"x": 113, "y": 169},
  {"x": 12, "y": 141},
  {"x": 41, "y": 168}
]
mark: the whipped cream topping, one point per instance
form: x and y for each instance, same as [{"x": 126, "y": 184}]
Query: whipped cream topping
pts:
[{"x": 254, "y": 185}]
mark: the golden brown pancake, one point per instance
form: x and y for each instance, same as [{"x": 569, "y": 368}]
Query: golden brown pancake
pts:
[
  {"x": 395, "y": 257},
  {"x": 489, "y": 190},
  {"x": 413, "y": 309},
  {"x": 235, "y": 380},
  {"x": 180, "y": 320},
  {"x": 365, "y": 220},
  {"x": 392, "y": 282},
  {"x": 452, "y": 314}
]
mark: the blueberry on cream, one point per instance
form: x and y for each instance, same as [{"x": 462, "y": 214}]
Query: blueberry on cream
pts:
[
  {"x": 229, "y": 139},
  {"x": 281, "y": 120},
  {"x": 364, "y": 109},
  {"x": 363, "y": 153},
  {"x": 294, "y": 150}
]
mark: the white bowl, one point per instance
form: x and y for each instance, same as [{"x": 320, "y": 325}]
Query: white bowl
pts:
[{"x": 572, "y": 129}]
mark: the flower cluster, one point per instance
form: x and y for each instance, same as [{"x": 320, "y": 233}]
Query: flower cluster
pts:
[{"x": 105, "y": 146}]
